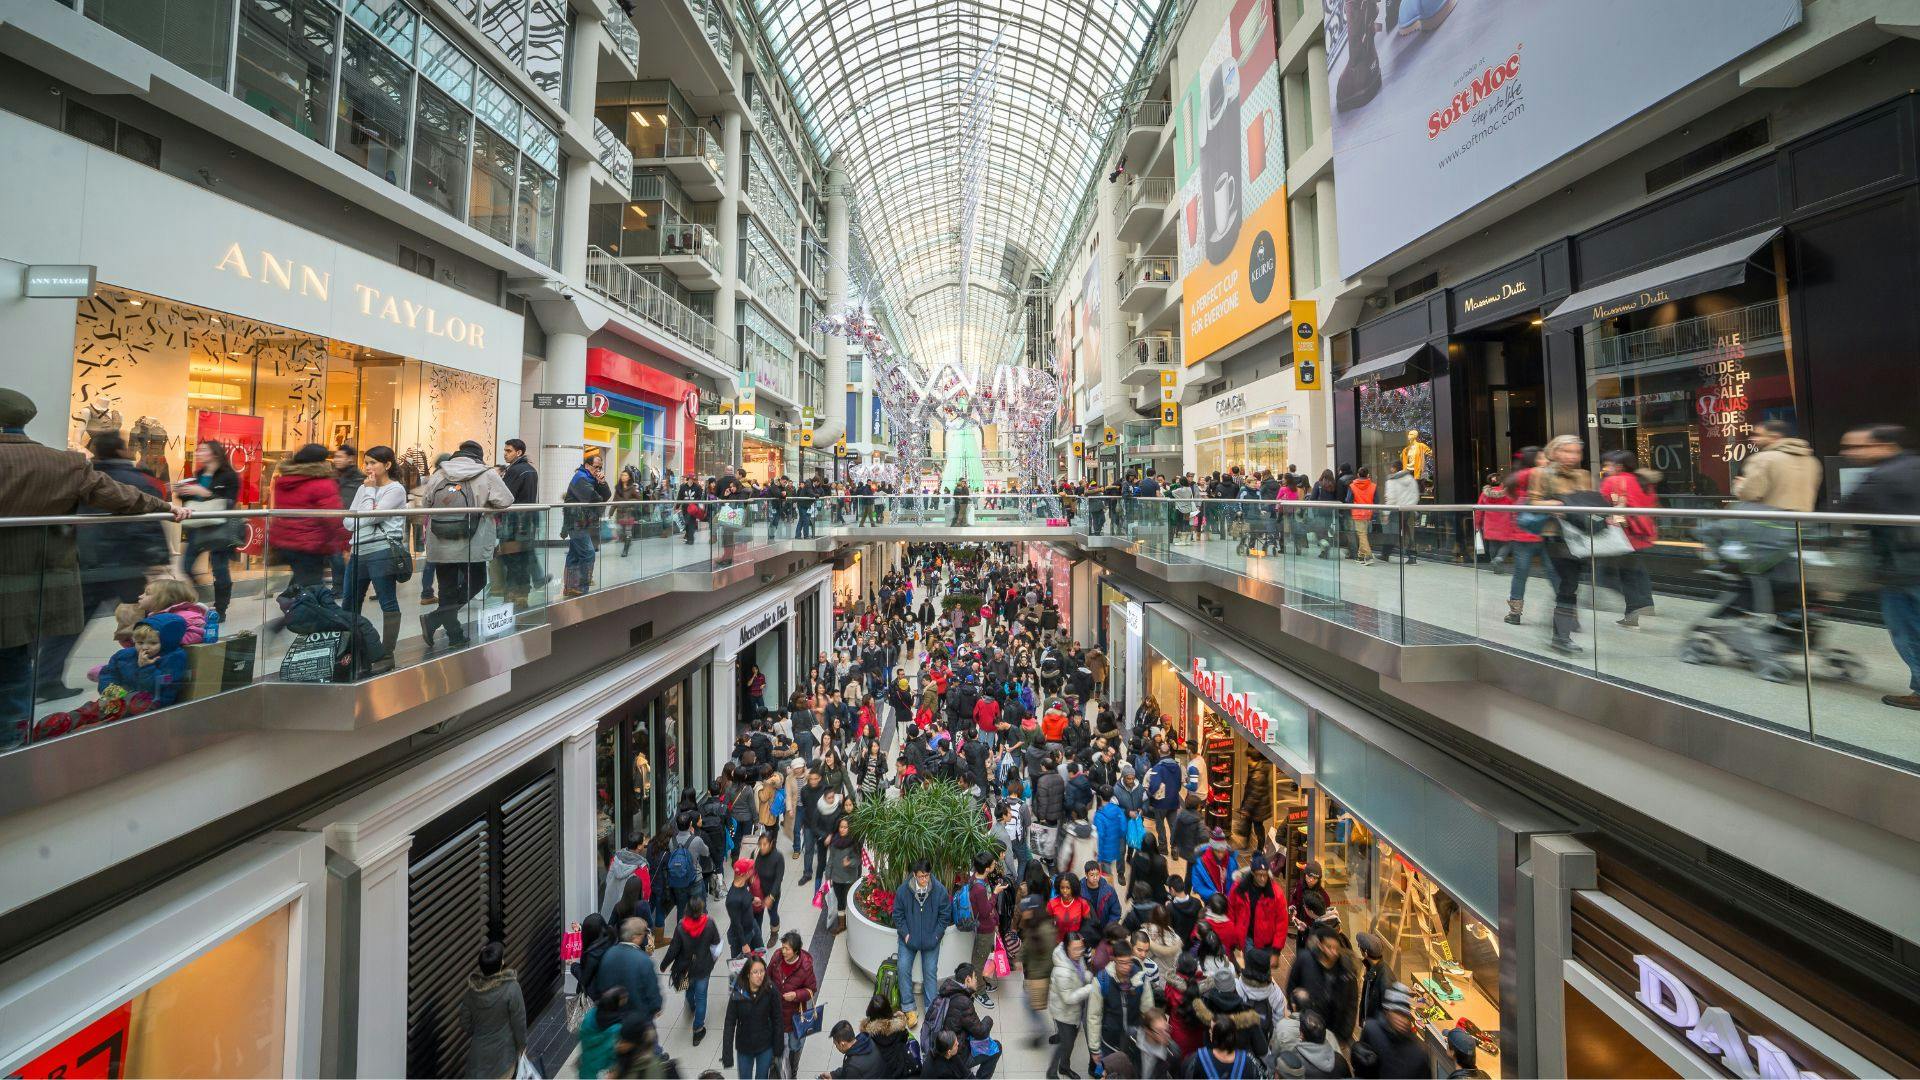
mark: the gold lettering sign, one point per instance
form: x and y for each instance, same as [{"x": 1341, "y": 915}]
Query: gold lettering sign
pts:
[
  {"x": 291, "y": 276},
  {"x": 1632, "y": 303},
  {"x": 1505, "y": 292}
]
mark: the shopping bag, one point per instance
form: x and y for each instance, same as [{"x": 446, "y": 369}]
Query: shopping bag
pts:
[
  {"x": 525, "y": 1070},
  {"x": 1479, "y": 544},
  {"x": 820, "y": 895},
  {"x": 1604, "y": 543},
  {"x": 570, "y": 944},
  {"x": 999, "y": 966},
  {"x": 1136, "y": 832},
  {"x": 731, "y": 516}
]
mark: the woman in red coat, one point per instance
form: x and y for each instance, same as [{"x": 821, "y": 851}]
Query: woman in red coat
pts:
[
  {"x": 791, "y": 972},
  {"x": 1257, "y": 906},
  {"x": 306, "y": 543}
]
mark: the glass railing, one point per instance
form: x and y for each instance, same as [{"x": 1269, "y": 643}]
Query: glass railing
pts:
[
  {"x": 1142, "y": 435},
  {"x": 687, "y": 142},
  {"x": 621, "y": 284},
  {"x": 713, "y": 23},
  {"x": 1152, "y": 271},
  {"x": 625, "y": 37},
  {"x": 690, "y": 238},
  {"x": 1154, "y": 191},
  {"x": 614, "y": 154},
  {"x": 1763, "y": 616},
  {"x": 1152, "y": 114},
  {"x": 1155, "y": 350}
]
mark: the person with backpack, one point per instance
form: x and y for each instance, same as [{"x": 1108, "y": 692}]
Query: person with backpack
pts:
[
  {"x": 626, "y": 863},
  {"x": 714, "y": 823},
  {"x": 744, "y": 905},
  {"x": 976, "y": 910},
  {"x": 922, "y": 911},
  {"x": 955, "y": 1011},
  {"x": 1221, "y": 1058},
  {"x": 689, "y": 961},
  {"x": 580, "y": 523},
  {"x": 686, "y": 854},
  {"x": 459, "y": 544},
  {"x": 519, "y": 531}
]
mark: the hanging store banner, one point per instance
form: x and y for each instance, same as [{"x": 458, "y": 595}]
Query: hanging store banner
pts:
[
  {"x": 1231, "y": 166},
  {"x": 1460, "y": 101}
]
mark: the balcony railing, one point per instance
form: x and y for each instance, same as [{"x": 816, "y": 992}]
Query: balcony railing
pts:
[
  {"x": 624, "y": 286},
  {"x": 690, "y": 238},
  {"x": 1153, "y": 272},
  {"x": 713, "y": 23},
  {"x": 1755, "y": 328},
  {"x": 1142, "y": 436},
  {"x": 686, "y": 142},
  {"x": 772, "y": 369},
  {"x": 1155, "y": 350},
  {"x": 625, "y": 37},
  {"x": 1151, "y": 114},
  {"x": 1153, "y": 190},
  {"x": 614, "y": 154}
]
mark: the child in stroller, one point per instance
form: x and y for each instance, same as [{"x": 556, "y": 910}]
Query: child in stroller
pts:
[{"x": 1758, "y": 620}]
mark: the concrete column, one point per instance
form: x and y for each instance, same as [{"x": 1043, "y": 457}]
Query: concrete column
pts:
[
  {"x": 562, "y": 431},
  {"x": 1307, "y": 271},
  {"x": 583, "y": 64},
  {"x": 382, "y": 1049},
  {"x": 1319, "y": 105},
  {"x": 834, "y": 423},
  {"x": 726, "y": 687},
  {"x": 1558, "y": 865},
  {"x": 1328, "y": 231},
  {"x": 727, "y": 221},
  {"x": 825, "y": 605},
  {"x": 578, "y": 812}
]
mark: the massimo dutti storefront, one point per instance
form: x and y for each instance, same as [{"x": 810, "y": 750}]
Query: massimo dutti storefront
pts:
[
  {"x": 212, "y": 320},
  {"x": 1669, "y": 331}
]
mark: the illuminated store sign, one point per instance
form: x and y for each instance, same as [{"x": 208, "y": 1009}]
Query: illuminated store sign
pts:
[
  {"x": 1217, "y": 688},
  {"x": 292, "y": 276},
  {"x": 1712, "y": 1029}
]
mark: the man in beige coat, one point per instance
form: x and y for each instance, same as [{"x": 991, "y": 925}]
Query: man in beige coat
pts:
[
  {"x": 1785, "y": 474},
  {"x": 39, "y": 569}
]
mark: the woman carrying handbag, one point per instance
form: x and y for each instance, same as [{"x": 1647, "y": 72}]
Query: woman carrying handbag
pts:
[
  {"x": 379, "y": 553},
  {"x": 1624, "y": 483}
]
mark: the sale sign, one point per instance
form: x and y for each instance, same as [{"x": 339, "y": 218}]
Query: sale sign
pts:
[
  {"x": 244, "y": 438},
  {"x": 95, "y": 1052}
]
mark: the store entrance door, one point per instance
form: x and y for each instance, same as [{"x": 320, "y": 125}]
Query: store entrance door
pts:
[{"x": 1506, "y": 393}]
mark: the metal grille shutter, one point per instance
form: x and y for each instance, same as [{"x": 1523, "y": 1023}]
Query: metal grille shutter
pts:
[
  {"x": 531, "y": 916},
  {"x": 447, "y": 915}
]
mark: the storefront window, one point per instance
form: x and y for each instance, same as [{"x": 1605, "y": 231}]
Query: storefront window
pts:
[
  {"x": 440, "y": 137},
  {"x": 1386, "y": 414},
  {"x": 222, "y": 1014},
  {"x": 1681, "y": 385},
  {"x": 166, "y": 375}
]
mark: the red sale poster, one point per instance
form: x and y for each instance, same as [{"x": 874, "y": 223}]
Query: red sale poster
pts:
[
  {"x": 244, "y": 437},
  {"x": 95, "y": 1052}
]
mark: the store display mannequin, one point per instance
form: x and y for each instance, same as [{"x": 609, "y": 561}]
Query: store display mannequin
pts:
[
  {"x": 101, "y": 416},
  {"x": 1414, "y": 455}
]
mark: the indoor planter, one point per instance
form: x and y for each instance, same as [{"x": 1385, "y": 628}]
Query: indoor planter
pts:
[{"x": 941, "y": 822}]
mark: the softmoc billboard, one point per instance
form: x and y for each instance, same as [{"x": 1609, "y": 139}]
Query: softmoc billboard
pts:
[
  {"x": 1231, "y": 165},
  {"x": 1452, "y": 101}
]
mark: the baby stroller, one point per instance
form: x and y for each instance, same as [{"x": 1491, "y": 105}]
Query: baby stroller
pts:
[{"x": 1758, "y": 620}]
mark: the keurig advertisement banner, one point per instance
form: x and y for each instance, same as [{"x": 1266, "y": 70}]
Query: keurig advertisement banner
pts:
[
  {"x": 1458, "y": 100},
  {"x": 1231, "y": 166}
]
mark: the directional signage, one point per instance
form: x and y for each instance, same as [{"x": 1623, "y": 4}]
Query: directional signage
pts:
[
  {"x": 562, "y": 401},
  {"x": 1169, "y": 415},
  {"x": 1306, "y": 345}
]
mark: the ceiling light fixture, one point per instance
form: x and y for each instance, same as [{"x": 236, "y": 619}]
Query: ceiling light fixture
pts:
[{"x": 640, "y": 118}]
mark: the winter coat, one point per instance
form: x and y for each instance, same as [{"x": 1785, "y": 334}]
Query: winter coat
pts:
[
  {"x": 165, "y": 677},
  {"x": 483, "y": 487},
  {"x": 1400, "y": 1058},
  {"x": 1334, "y": 990},
  {"x": 1552, "y": 484},
  {"x": 599, "y": 1038},
  {"x": 1402, "y": 489},
  {"x": 1212, "y": 1003},
  {"x": 1068, "y": 988},
  {"x": 843, "y": 860},
  {"x": 123, "y": 549},
  {"x": 1163, "y": 786},
  {"x": 495, "y": 1016},
  {"x": 622, "y": 866},
  {"x": 863, "y": 1061},
  {"x": 194, "y": 616},
  {"x": 1110, "y": 831},
  {"x": 690, "y": 955},
  {"x": 752, "y": 1023},
  {"x": 1785, "y": 476},
  {"x": 1498, "y": 527},
  {"x": 1892, "y": 487},
  {"x": 922, "y": 923},
  {"x": 1262, "y": 913},
  {"x": 1360, "y": 493},
  {"x": 1113, "y": 1010},
  {"x": 627, "y": 965},
  {"x": 1050, "y": 797},
  {"x": 584, "y": 494},
  {"x": 1079, "y": 793},
  {"x": 963, "y": 1018},
  {"x": 1635, "y": 490},
  {"x": 890, "y": 1037},
  {"x": 309, "y": 486},
  {"x": 1132, "y": 800},
  {"x": 1215, "y": 871},
  {"x": 39, "y": 573},
  {"x": 792, "y": 978},
  {"x": 1103, "y": 904}
]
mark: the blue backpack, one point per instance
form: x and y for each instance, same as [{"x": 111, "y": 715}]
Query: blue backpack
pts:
[
  {"x": 682, "y": 870},
  {"x": 779, "y": 806},
  {"x": 963, "y": 918}
]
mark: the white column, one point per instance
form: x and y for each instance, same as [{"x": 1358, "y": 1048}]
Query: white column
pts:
[
  {"x": 1319, "y": 107},
  {"x": 562, "y": 431},
  {"x": 726, "y": 688},
  {"x": 383, "y": 962},
  {"x": 825, "y": 605},
  {"x": 578, "y": 813},
  {"x": 582, "y": 87},
  {"x": 1327, "y": 230},
  {"x": 1559, "y": 866},
  {"x": 727, "y": 220},
  {"x": 1132, "y": 682},
  {"x": 838, "y": 250}
]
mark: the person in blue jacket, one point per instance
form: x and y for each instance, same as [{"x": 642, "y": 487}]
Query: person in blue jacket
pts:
[
  {"x": 1214, "y": 870},
  {"x": 627, "y": 965},
  {"x": 1109, "y": 831},
  {"x": 1103, "y": 904},
  {"x": 922, "y": 911},
  {"x": 1163, "y": 797},
  {"x": 156, "y": 662}
]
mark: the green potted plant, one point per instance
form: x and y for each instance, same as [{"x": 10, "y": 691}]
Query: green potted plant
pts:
[
  {"x": 941, "y": 822},
  {"x": 962, "y": 600}
]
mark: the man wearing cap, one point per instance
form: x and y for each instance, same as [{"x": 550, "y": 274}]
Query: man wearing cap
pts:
[
  {"x": 39, "y": 572},
  {"x": 1465, "y": 1049},
  {"x": 1214, "y": 868},
  {"x": 1391, "y": 1037},
  {"x": 1255, "y": 904},
  {"x": 1373, "y": 986}
]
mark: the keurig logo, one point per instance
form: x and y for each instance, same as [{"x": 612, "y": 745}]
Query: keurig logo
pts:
[{"x": 1262, "y": 263}]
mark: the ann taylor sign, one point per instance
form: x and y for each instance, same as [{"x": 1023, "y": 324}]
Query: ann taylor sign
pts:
[{"x": 289, "y": 275}]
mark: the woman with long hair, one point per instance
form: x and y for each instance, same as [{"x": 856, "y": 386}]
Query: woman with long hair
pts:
[
  {"x": 843, "y": 869},
  {"x": 214, "y": 486},
  {"x": 379, "y": 552},
  {"x": 751, "y": 1031}
]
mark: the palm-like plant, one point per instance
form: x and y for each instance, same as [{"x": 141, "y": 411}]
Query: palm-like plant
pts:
[
  {"x": 963, "y": 600},
  {"x": 939, "y": 821}
]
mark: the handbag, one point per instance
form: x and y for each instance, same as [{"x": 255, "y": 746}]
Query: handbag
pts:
[
  {"x": 393, "y": 560},
  {"x": 807, "y": 1021},
  {"x": 1532, "y": 520},
  {"x": 1604, "y": 543},
  {"x": 998, "y": 965},
  {"x": 731, "y": 516},
  {"x": 577, "y": 1005}
]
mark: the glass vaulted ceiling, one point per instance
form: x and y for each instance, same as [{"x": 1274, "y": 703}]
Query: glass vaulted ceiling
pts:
[{"x": 889, "y": 89}]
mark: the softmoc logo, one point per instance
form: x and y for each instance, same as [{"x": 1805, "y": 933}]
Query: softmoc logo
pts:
[
  {"x": 1477, "y": 91},
  {"x": 1218, "y": 690}
]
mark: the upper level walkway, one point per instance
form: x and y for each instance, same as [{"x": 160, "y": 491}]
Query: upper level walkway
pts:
[{"x": 1771, "y": 620}]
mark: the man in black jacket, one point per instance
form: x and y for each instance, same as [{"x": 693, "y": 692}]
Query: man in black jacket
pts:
[
  {"x": 863, "y": 1060},
  {"x": 965, "y": 1021},
  {"x": 1401, "y": 1053},
  {"x": 1891, "y": 487},
  {"x": 581, "y": 522},
  {"x": 1327, "y": 975},
  {"x": 519, "y": 532}
]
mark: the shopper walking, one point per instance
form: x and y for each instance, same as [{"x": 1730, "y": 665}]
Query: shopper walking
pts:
[
  {"x": 689, "y": 960},
  {"x": 306, "y": 544},
  {"x": 214, "y": 486},
  {"x": 1784, "y": 473},
  {"x": 1624, "y": 483},
  {"x": 494, "y": 1014},
  {"x": 1072, "y": 984},
  {"x": 460, "y": 541},
  {"x": 791, "y": 970},
  {"x": 1360, "y": 493},
  {"x": 580, "y": 523},
  {"x": 1556, "y": 483},
  {"x": 1891, "y": 486},
  {"x": 751, "y": 1032},
  {"x": 379, "y": 556},
  {"x": 519, "y": 531}
]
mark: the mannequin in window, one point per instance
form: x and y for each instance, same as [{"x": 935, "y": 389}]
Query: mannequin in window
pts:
[{"x": 1414, "y": 455}]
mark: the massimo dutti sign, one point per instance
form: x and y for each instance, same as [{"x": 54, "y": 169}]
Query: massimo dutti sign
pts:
[{"x": 1505, "y": 292}]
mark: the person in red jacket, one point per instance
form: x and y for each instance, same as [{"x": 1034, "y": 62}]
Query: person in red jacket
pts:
[
  {"x": 791, "y": 972},
  {"x": 1053, "y": 726},
  {"x": 1257, "y": 906},
  {"x": 986, "y": 715},
  {"x": 1624, "y": 483},
  {"x": 306, "y": 544}
]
